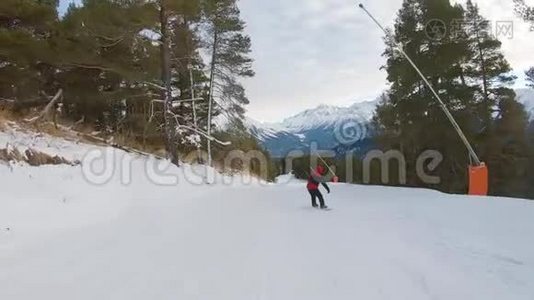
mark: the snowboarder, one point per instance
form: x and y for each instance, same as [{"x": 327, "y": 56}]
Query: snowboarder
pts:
[{"x": 314, "y": 179}]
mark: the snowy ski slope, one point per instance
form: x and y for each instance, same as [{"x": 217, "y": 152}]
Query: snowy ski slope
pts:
[{"x": 63, "y": 238}]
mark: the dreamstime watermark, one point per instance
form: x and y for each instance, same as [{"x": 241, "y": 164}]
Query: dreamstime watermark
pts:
[
  {"x": 102, "y": 166},
  {"x": 351, "y": 130},
  {"x": 426, "y": 163},
  {"x": 438, "y": 30}
]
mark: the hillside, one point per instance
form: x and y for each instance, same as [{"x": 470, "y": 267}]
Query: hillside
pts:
[{"x": 62, "y": 237}]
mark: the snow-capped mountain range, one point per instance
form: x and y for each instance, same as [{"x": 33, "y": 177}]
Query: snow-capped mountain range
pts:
[
  {"x": 325, "y": 127},
  {"x": 332, "y": 127}
]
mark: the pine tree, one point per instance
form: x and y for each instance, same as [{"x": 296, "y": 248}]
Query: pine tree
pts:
[
  {"x": 524, "y": 11},
  {"x": 105, "y": 60},
  {"x": 509, "y": 165},
  {"x": 172, "y": 13},
  {"x": 230, "y": 49},
  {"x": 410, "y": 119},
  {"x": 189, "y": 77},
  {"x": 25, "y": 50},
  {"x": 471, "y": 74},
  {"x": 503, "y": 143},
  {"x": 486, "y": 67}
]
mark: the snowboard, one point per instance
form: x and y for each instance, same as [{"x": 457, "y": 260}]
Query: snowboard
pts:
[{"x": 325, "y": 209}]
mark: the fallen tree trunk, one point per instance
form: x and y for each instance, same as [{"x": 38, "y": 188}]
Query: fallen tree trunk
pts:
[{"x": 49, "y": 107}]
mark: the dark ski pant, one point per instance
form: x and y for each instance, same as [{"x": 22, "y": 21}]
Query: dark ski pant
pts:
[{"x": 314, "y": 195}]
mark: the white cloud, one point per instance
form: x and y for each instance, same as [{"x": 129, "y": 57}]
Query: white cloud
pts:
[
  {"x": 304, "y": 52},
  {"x": 327, "y": 51}
]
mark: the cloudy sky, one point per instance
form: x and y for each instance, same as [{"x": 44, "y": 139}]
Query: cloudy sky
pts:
[{"x": 311, "y": 52}]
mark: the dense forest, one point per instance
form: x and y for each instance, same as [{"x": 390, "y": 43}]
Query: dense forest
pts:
[{"x": 154, "y": 74}]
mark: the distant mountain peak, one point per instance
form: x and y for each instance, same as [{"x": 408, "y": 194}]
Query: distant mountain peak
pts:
[
  {"x": 318, "y": 125},
  {"x": 325, "y": 125},
  {"x": 325, "y": 115}
]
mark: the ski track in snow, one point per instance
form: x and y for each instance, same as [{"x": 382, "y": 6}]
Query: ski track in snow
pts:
[{"x": 68, "y": 239}]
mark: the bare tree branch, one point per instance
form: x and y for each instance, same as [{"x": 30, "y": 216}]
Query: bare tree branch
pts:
[
  {"x": 48, "y": 107},
  {"x": 159, "y": 87},
  {"x": 94, "y": 67}
]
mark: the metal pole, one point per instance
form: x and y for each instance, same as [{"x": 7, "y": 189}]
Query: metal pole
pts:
[
  {"x": 441, "y": 103},
  {"x": 326, "y": 164}
]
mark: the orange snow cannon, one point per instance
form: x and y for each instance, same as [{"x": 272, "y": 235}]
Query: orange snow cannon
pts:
[{"x": 478, "y": 180}]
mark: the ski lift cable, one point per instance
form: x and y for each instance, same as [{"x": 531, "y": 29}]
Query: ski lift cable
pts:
[{"x": 442, "y": 104}]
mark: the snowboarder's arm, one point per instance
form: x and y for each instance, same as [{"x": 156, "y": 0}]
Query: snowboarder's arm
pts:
[
  {"x": 320, "y": 179},
  {"x": 326, "y": 187}
]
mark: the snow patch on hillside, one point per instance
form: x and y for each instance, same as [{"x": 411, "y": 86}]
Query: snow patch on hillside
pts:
[{"x": 13, "y": 136}]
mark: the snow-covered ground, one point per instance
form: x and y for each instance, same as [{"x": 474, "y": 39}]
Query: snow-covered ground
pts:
[
  {"x": 62, "y": 237},
  {"x": 13, "y": 136}
]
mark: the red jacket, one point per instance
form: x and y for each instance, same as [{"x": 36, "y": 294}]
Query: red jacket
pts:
[{"x": 313, "y": 183}]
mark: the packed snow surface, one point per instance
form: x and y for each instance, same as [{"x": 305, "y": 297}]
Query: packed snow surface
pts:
[{"x": 62, "y": 237}]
